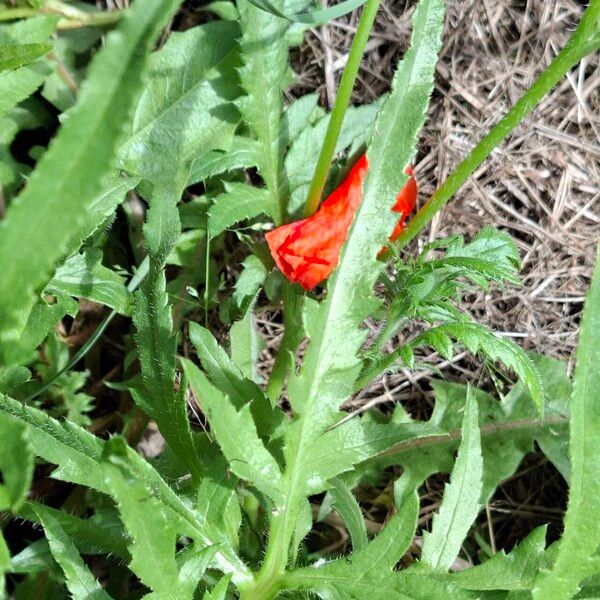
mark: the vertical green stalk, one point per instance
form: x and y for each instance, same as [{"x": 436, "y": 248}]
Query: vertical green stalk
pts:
[
  {"x": 585, "y": 39},
  {"x": 293, "y": 334},
  {"x": 342, "y": 101}
]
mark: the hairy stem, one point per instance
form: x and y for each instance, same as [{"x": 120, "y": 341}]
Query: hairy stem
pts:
[
  {"x": 342, "y": 101},
  {"x": 585, "y": 39}
]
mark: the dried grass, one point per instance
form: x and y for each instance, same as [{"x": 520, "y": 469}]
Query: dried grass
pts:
[{"x": 541, "y": 185}]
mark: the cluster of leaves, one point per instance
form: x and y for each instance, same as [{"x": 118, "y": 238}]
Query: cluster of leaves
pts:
[{"x": 183, "y": 133}]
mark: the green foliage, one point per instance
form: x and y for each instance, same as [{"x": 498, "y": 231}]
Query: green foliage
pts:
[
  {"x": 83, "y": 275},
  {"x": 227, "y": 377},
  {"x": 193, "y": 140},
  {"x": 461, "y": 497},
  {"x": 508, "y": 430},
  {"x": 152, "y": 529},
  {"x": 82, "y": 585},
  {"x": 185, "y": 109},
  {"x": 575, "y": 559},
  {"x": 13, "y": 57},
  {"x": 347, "y": 507},
  {"x": 18, "y": 84},
  {"x": 65, "y": 389},
  {"x": 16, "y": 464},
  {"x": 236, "y": 433},
  {"x": 370, "y": 572},
  {"x": 239, "y": 202},
  {"x": 514, "y": 571},
  {"x": 475, "y": 338},
  {"x": 356, "y": 131},
  {"x": 243, "y": 154},
  {"x": 79, "y": 455},
  {"x": 71, "y": 173},
  {"x": 156, "y": 348},
  {"x": 263, "y": 76}
]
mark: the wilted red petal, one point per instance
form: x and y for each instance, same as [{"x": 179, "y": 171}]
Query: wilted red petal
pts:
[
  {"x": 307, "y": 251},
  {"x": 406, "y": 201}
]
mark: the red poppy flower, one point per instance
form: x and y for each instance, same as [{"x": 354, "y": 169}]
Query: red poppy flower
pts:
[{"x": 307, "y": 251}]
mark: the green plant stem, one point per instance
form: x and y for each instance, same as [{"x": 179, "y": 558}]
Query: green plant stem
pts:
[
  {"x": 10, "y": 14},
  {"x": 585, "y": 39},
  {"x": 71, "y": 18},
  {"x": 342, "y": 101},
  {"x": 292, "y": 336}
]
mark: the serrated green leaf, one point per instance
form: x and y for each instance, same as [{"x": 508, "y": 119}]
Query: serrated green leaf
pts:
[
  {"x": 553, "y": 441},
  {"x": 153, "y": 533},
  {"x": 16, "y": 463},
  {"x": 331, "y": 364},
  {"x": 236, "y": 433},
  {"x": 70, "y": 174},
  {"x": 297, "y": 115},
  {"x": 219, "y": 592},
  {"x": 225, "y": 375},
  {"x": 12, "y": 377},
  {"x": 243, "y": 154},
  {"x": 347, "y": 507},
  {"x": 83, "y": 276},
  {"x": 513, "y": 571},
  {"x": 35, "y": 30},
  {"x": 20, "y": 84},
  {"x": 313, "y": 17},
  {"x": 156, "y": 345},
  {"x": 581, "y": 536},
  {"x": 69, "y": 446},
  {"x": 80, "y": 581},
  {"x": 369, "y": 573},
  {"x": 249, "y": 282},
  {"x": 491, "y": 254},
  {"x": 239, "y": 202},
  {"x": 13, "y": 57},
  {"x": 17, "y": 85},
  {"x": 90, "y": 536},
  {"x": 246, "y": 344},
  {"x": 477, "y": 339},
  {"x": 508, "y": 430},
  {"x": 186, "y": 108},
  {"x": 460, "y": 504},
  {"x": 78, "y": 455},
  {"x": 42, "y": 319}
]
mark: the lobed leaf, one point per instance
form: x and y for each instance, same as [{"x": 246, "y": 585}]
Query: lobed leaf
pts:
[
  {"x": 244, "y": 153},
  {"x": 16, "y": 85},
  {"x": 226, "y": 376},
  {"x": 514, "y": 571},
  {"x": 16, "y": 464},
  {"x": 263, "y": 77},
  {"x": 347, "y": 507}
]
